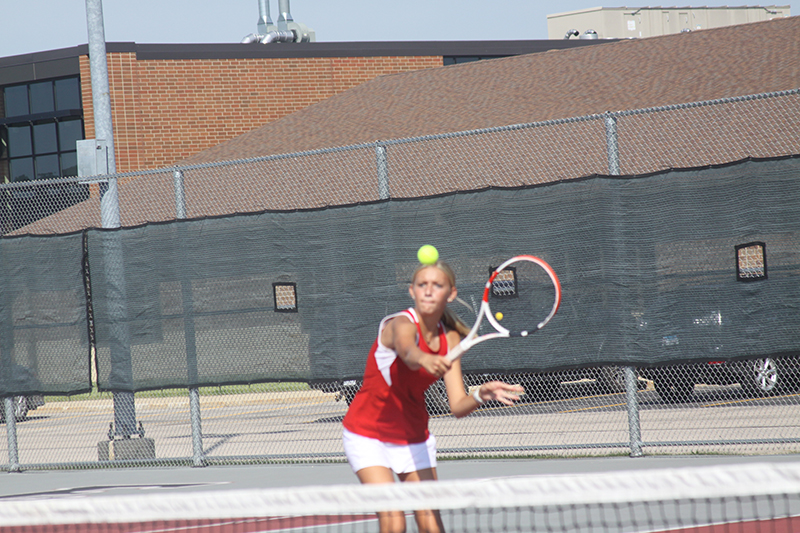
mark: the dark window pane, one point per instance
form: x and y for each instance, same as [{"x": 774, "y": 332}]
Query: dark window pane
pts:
[
  {"x": 42, "y": 97},
  {"x": 21, "y": 169},
  {"x": 16, "y": 100},
  {"x": 44, "y": 138},
  {"x": 47, "y": 167},
  {"x": 68, "y": 94},
  {"x": 69, "y": 131},
  {"x": 69, "y": 164},
  {"x": 19, "y": 141}
]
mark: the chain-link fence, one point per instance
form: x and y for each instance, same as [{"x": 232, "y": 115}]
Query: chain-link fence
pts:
[{"x": 208, "y": 330}]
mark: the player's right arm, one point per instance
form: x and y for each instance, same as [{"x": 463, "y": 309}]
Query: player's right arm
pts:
[{"x": 400, "y": 334}]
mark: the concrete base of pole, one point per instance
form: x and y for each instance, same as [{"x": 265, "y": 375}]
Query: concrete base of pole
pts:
[{"x": 126, "y": 449}]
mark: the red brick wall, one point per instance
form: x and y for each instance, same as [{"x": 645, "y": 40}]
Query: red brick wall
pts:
[
  {"x": 164, "y": 111},
  {"x": 86, "y": 96}
]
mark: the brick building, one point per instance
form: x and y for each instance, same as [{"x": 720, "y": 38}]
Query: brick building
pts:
[{"x": 172, "y": 101}]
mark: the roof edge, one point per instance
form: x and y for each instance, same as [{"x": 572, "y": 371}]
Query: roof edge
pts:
[{"x": 164, "y": 51}]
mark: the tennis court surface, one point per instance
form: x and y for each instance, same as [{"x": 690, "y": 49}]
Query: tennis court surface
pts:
[{"x": 698, "y": 495}]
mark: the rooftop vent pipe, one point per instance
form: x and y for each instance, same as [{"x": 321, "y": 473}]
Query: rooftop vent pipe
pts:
[
  {"x": 571, "y": 33},
  {"x": 284, "y": 16},
  {"x": 287, "y": 30},
  {"x": 265, "y": 24}
]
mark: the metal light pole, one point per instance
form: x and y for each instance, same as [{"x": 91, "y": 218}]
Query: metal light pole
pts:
[{"x": 124, "y": 408}]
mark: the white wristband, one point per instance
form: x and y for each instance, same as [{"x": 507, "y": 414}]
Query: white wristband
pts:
[{"x": 476, "y": 394}]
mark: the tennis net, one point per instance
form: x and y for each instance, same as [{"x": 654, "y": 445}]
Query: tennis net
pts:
[{"x": 763, "y": 497}]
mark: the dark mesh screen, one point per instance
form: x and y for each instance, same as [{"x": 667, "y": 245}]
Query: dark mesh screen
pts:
[
  {"x": 43, "y": 323},
  {"x": 648, "y": 267}
]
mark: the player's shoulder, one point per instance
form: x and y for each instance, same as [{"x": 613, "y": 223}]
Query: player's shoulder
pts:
[
  {"x": 402, "y": 318},
  {"x": 453, "y": 336},
  {"x": 406, "y": 315}
]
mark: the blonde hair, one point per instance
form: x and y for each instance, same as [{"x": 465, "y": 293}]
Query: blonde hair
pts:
[{"x": 450, "y": 320}]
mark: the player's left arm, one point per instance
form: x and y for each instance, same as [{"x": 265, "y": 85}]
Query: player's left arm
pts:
[{"x": 462, "y": 404}]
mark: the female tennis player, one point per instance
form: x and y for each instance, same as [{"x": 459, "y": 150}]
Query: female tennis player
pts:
[{"x": 386, "y": 427}]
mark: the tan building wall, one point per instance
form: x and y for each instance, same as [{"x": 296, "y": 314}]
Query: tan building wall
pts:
[{"x": 633, "y": 22}]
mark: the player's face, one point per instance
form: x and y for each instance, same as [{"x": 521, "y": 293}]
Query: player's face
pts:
[{"x": 431, "y": 290}]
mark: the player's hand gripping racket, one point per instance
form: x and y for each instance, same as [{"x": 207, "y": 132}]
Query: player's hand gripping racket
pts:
[{"x": 521, "y": 296}]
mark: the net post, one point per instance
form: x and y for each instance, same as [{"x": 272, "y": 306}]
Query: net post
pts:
[
  {"x": 198, "y": 458},
  {"x": 383, "y": 172},
  {"x": 11, "y": 434},
  {"x": 634, "y": 430}
]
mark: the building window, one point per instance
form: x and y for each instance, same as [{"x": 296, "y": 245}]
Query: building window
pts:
[{"x": 40, "y": 123}]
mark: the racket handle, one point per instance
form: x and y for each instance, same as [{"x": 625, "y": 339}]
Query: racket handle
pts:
[{"x": 456, "y": 352}]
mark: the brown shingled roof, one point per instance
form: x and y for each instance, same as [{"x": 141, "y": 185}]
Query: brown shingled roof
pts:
[{"x": 674, "y": 69}]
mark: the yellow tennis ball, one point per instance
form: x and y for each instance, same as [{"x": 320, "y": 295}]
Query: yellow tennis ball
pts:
[
  {"x": 427, "y": 254},
  {"x": 498, "y": 315}
]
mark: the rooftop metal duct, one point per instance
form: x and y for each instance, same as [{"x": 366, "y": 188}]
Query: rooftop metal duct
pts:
[
  {"x": 284, "y": 16},
  {"x": 287, "y": 30},
  {"x": 265, "y": 24}
]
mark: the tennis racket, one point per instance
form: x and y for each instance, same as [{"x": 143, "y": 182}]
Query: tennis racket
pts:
[{"x": 520, "y": 298}]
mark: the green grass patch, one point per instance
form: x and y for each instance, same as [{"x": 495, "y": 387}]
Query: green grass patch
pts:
[{"x": 222, "y": 390}]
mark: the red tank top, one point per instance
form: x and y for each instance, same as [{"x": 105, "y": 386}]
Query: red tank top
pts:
[{"x": 390, "y": 406}]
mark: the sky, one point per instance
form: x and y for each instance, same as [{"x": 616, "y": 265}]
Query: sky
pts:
[{"x": 39, "y": 25}]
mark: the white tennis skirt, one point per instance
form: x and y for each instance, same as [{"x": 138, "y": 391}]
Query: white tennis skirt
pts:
[{"x": 363, "y": 451}]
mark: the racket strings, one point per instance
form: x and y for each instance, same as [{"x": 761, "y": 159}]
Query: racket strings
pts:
[
  {"x": 521, "y": 296},
  {"x": 504, "y": 284}
]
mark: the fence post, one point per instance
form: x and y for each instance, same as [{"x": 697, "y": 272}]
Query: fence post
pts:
[
  {"x": 180, "y": 195},
  {"x": 383, "y": 172},
  {"x": 612, "y": 144},
  {"x": 198, "y": 457},
  {"x": 634, "y": 431},
  {"x": 631, "y": 381},
  {"x": 11, "y": 434}
]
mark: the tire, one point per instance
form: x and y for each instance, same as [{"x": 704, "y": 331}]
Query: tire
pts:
[
  {"x": 349, "y": 392},
  {"x": 540, "y": 387},
  {"x": 20, "y": 409},
  {"x": 611, "y": 379},
  {"x": 674, "y": 390},
  {"x": 763, "y": 377}
]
